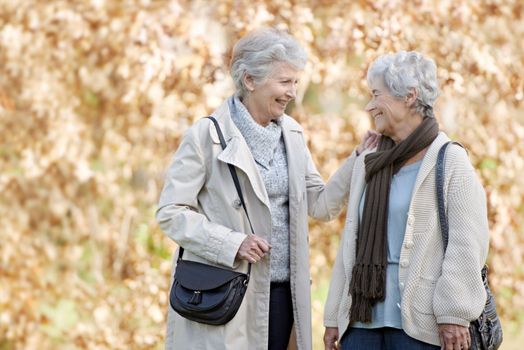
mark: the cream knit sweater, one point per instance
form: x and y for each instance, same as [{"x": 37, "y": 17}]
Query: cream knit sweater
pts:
[{"x": 434, "y": 288}]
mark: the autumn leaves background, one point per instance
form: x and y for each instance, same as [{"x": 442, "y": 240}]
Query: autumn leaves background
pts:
[{"x": 95, "y": 95}]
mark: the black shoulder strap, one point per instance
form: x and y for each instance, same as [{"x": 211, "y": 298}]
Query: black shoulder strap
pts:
[
  {"x": 444, "y": 226},
  {"x": 235, "y": 180},
  {"x": 232, "y": 170}
]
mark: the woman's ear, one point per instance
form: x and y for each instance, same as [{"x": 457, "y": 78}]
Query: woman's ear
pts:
[
  {"x": 411, "y": 97},
  {"x": 249, "y": 82}
]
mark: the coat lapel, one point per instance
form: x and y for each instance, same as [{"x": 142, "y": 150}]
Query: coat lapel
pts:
[
  {"x": 237, "y": 151},
  {"x": 293, "y": 139}
]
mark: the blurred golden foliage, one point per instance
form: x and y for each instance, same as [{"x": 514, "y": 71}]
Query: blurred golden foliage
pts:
[{"x": 95, "y": 95}]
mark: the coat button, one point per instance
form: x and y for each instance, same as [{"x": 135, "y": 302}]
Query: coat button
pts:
[
  {"x": 404, "y": 263},
  {"x": 237, "y": 203}
]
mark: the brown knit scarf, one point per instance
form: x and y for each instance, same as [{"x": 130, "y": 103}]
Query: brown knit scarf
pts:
[{"x": 369, "y": 272}]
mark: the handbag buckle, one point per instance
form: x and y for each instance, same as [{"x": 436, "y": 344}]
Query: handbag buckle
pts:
[{"x": 196, "y": 298}]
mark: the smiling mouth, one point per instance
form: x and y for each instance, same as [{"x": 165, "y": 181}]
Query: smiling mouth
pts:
[
  {"x": 282, "y": 103},
  {"x": 377, "y": 115}
]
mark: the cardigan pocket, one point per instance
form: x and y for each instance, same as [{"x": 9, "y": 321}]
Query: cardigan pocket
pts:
[
  {"x": 423, "y": 298},
  {"x": 422, "y": 312}
]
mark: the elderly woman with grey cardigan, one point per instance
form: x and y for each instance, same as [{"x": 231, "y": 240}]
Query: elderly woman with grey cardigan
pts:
[
  {"x": 200, "y": 210},
  {"x": 393, "y": 287}
]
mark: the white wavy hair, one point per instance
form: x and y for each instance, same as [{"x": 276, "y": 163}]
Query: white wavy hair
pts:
[
  {"x": 403, "y": 71},
  {"x": 257, "y": 52}
]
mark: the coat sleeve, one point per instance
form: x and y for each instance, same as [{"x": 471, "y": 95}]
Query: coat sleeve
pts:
[
  {"x": 459, "y": 293},
  {"x": 178, "y": 214},
  {"x": 336, "y": 290},
  {"x": 325, "y": 201}
]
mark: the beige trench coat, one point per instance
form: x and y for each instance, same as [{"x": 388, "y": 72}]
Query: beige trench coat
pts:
[{"x": 200, "y": 210}]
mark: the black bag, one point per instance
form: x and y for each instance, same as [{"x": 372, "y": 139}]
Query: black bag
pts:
[
  {"x": 486, "y": 331},
  {"x": 205, "y": 293}
]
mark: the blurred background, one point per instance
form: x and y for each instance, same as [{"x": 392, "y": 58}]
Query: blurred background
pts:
[{"x": 95, "y": 96}]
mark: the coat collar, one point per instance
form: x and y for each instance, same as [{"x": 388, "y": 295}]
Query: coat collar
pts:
[
  {"x": 237, "y": 152},
  {"x": 262, "y": 141}
]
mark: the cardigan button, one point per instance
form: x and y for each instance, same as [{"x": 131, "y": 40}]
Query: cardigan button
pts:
[
  {"x": 409, "y": 244},
  {"x": 404, "y": 263}
]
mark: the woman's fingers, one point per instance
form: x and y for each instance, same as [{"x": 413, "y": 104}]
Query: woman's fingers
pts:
[
  {"x": 372, "y": 139},
  {"x": 253, "y": 257},
  {"x": 263, "y": 245},
  {"x": 253, "y": 248},
  {"x": 454, "y": 337},
  {"x": 330, "y": 338},
  {"x": 369, "y": 141},
  {"x": 468, "y": 340}
]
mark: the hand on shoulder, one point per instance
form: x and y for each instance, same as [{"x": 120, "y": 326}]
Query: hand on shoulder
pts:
[{"x": 369, "y": 141}]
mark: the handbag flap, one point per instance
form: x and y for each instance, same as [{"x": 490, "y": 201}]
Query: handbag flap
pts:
[{"x": 197, "y": 276}]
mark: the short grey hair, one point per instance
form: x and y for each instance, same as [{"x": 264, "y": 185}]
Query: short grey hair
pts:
[
  {"x": 257, "y": 52},
  {"x": 404, "y": 71}
]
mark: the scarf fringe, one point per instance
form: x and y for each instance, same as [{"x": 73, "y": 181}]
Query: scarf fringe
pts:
[
  {"x": 367, "y": 287},
  {"x": 369, "y": 280},
  {"x": 361, "y": 309}
]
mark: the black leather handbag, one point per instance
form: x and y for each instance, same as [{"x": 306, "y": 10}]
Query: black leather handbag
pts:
[
  {"x": 486, "y": 331},
  {"x": 205, "y": 293}
]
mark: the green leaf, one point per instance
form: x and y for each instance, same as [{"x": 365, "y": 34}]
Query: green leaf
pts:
[
  {"x": 61, "y": 316},
  {"x": 489, "y": 164}
]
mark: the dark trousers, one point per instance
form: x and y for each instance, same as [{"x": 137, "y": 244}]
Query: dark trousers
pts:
[
  {"x": 280, "y": 315},
  {"x": 386, "y": 338}
]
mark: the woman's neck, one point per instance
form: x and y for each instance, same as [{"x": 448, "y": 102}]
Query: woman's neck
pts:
[
  {"x": 416, "y": 157},
  {"x": 403, "y": 131},
  {"x": 253, "y": 111}
]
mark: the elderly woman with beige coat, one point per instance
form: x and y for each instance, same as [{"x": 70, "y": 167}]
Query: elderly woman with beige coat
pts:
[
  {"x": 200, "y": 210},
  {"x": 393, "y": 286}
]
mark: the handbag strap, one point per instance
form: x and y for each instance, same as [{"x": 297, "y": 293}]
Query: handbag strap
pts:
[
  {"x": 232, "y": 170},
  {"x": 444, "y": 225},
  {"x": 237, "y": 186}
]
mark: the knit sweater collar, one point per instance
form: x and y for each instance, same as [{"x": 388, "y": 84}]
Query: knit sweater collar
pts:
[{"x": 262, "y": 141}]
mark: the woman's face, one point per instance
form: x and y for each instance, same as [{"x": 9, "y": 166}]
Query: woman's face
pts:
[
  {"x": 268, "y": 100},
  {"x": 389, "y": 113}
]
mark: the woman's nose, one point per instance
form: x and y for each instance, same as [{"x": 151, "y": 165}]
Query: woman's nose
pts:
[
  {"x": 292, "y": 91},
  {"x": 370, "y": 106}
]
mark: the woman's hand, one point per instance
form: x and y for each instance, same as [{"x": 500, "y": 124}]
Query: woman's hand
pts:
[
  {"x": 454, "y": 337},
  {"x": 369, "y": 141},
  {"x": 331, "y": 338},
  {"x": 253, "y": 248}
]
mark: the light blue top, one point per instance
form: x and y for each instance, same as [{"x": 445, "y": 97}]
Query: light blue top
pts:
[{"x": 387, "y": 313}]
